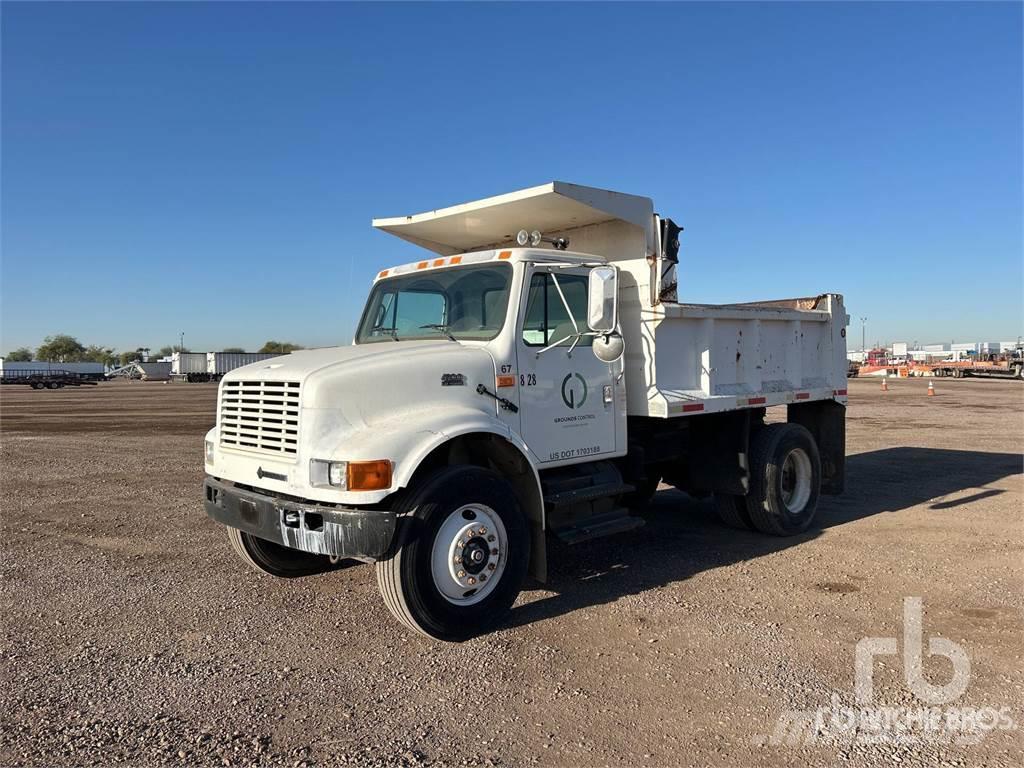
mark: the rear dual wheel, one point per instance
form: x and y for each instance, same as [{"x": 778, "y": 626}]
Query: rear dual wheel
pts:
[{"x": 785, "y": 481}]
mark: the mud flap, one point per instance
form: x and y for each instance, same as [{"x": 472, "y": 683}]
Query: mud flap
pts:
[{"x": 826, "y": 421}]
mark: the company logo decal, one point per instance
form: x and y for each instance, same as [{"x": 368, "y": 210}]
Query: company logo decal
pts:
[{"x": 574, "y": 390}]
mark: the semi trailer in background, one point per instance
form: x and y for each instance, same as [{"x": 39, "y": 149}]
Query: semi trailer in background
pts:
[
  {"x": 533, "y": 374},
  {"x": 211, "y": 366}
]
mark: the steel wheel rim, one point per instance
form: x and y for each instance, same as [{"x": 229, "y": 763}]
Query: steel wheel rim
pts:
[
  {"x": 469, "y": 554},
  {"x": 796, "y": 481}
]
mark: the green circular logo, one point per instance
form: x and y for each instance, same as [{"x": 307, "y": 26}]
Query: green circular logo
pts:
[{"x": 574, "y": 394}]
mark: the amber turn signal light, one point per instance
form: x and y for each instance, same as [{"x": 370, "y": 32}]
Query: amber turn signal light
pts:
[
  {"x": 506, "y": 381},
  {"x": 369, "y": 475}
]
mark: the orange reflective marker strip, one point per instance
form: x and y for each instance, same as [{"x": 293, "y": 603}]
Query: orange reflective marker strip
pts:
[
  {"x": 505, "y": 255},
  {"x": 438, "y": 262},
  {"x": 382, "y": 273},
  {"x": 423, "y": 265},
  {"x": 455, "y": 260},
  {"x": 506, "y": 381}
]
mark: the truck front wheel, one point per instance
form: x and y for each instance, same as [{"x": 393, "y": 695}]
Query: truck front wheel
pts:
[
  {"x": 277, "y": 560},
  {"x": 460, "y": 554},
  {"x": 785, "y": 479}
]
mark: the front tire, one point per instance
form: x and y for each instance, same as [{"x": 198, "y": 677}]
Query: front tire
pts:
[
  {"x": 460, "y": 554},
  {"x": 785, "y": 479},
  {"x": 275, "y": 559}
]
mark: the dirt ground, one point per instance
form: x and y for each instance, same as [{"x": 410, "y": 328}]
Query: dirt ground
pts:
[{"x": 132, "y": 634}]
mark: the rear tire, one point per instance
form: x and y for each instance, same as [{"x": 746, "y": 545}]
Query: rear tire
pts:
[
  {"x": 440, "y": 522},
  {"x": 785, "y": 479},
  {"x": 275, "y": 559},
  {"x": 732, "y": 510}
]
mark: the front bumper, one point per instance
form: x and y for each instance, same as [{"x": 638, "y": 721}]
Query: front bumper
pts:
[{"x": 361, "y": 534}]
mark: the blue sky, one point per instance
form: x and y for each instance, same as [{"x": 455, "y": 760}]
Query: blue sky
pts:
[{"x": 213, "y": 168}]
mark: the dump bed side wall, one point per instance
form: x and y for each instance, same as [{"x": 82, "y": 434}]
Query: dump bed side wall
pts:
[{"x": 702, "y": 358}]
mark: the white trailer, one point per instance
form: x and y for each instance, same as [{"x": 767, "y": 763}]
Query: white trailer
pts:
[
  {"x": 190, "y": 366},
  {"x": 502, "y": 389},
  {"x": 220, "y": 363}
]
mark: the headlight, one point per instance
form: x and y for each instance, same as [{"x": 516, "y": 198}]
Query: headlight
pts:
[
  {"x": 325, "y": 474},
  {"x": 209, "y": 451},
  {"x": 351, "y": 475}
]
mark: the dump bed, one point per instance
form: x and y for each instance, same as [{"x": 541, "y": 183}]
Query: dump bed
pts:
[
  {"x": 681, "y": 358},
  {"x": 702, "y": 358}
]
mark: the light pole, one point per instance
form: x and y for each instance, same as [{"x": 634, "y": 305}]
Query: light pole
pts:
[{"x": 863, "y": 332}]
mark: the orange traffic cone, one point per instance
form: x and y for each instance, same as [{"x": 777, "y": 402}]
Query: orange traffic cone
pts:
[
  {"x": 885, "y": 384},
  {"x": 931, "y": 389}
]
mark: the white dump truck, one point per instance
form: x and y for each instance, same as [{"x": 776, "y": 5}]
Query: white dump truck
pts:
[{"x": 533, "y": 375}]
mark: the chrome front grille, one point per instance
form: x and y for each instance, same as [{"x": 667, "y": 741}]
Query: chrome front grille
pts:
[{"x": 260, "y": 416}]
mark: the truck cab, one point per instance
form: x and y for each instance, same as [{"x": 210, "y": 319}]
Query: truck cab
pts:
[{"x": 505, "y": 389}]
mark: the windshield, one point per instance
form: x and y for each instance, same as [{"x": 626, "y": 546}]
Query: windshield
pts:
[{"x": 461, "y": 303}]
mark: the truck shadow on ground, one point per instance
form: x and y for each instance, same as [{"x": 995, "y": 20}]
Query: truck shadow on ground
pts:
[{"x": 683, "y": 536}]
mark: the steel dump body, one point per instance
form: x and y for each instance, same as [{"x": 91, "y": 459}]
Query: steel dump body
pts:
[
  {"x": 707, "y": 358},
  {"x": 681, "y": 359}
]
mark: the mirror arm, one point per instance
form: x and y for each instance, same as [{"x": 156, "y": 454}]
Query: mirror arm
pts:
[
  {"x": 554, "y": 344},
  {"x": 565, "y": 304},
  {"x": 577, "y": 337}
]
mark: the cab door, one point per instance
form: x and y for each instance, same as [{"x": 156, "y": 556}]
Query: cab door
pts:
[{"x": 566, "y": 395}]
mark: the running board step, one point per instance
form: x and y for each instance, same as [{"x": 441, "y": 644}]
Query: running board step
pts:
[
  {"x": 587, "y": 493},
  {"x": 617, "y": 521}
]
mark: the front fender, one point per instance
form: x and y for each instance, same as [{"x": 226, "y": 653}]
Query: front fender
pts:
[
  {"x": 413, "y": 439},
  {"x": 409, "y": 438}
]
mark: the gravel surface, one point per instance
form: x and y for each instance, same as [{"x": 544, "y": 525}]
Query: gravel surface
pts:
[{"x": 132, "y": 634}]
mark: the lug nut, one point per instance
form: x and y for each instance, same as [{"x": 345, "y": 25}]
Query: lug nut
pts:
[
  {"x": 472, "y": 580},
  {"x": 494, "y": 551},
  {"x": 457, "y": 560},
  {"x": 490, "y": 567},
  {"x": 491, "y": 537},
  {"x": 460, "y": 544},
  {"x": 482, "y": 531},
  {"x": 460, "y": 574},
  {"x": 483, "y": 577}
]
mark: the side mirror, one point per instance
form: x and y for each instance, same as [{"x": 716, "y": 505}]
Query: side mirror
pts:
[
  {"x": 602, "y": 299},
  {"x": 608, "y": 348}
]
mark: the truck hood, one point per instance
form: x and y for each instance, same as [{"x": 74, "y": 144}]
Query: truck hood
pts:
[
  {"x": 344, "y": 390},
  {"x": 298, "y": 365}
]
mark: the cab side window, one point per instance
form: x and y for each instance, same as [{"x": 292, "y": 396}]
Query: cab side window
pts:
[{"x": 546, "y": 320}]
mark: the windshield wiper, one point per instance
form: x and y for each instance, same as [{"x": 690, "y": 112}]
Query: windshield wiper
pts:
[
  {"x": 442, "y": 327},
  {"x": 393, "y": 333}
]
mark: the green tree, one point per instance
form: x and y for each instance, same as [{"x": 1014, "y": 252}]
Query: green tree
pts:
[
  {"x": 232, "y": 349},
  {"x": 279, "y": 347},
  {"x": 97, "y": 354},
  {"x": 126, "y": 357},
  {"x": 20, "y": 355},
  {"x": 61, "y": 349}
]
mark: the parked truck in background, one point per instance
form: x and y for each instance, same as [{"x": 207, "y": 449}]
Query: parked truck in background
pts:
[{"x": 533, "y": 375}]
